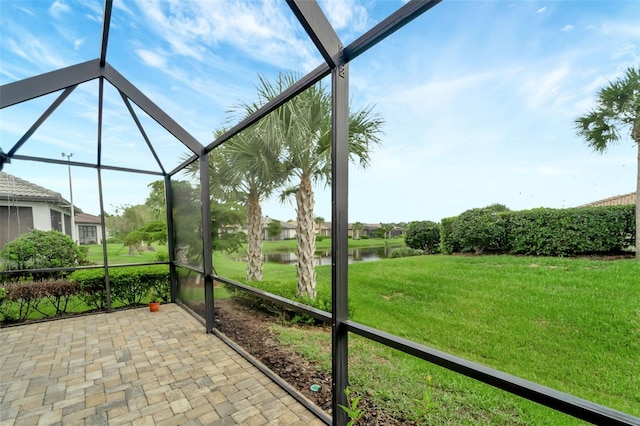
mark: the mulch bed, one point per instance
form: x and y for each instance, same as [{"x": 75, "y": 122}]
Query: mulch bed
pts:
[{"x": 251, "y": 329}]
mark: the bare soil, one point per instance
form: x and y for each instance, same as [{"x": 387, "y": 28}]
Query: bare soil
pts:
[{"x": 251, "y": 329}]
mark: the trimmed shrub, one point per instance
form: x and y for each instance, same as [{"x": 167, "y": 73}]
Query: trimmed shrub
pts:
[
  {"x": 478, "y": 230},
  {"x": 23, "y": 298},
  {"x": 424, "y": 236},
  {"x": 162, "y": 256},
  {"x": 563, "y": 232},
  {"x": 92, "y": 287},
  {"x": 129, "y": 285},
  {"x": 41, "y": 250},
  {"x": 447, "y": 242},
  {"x": 59, "y": 293}
]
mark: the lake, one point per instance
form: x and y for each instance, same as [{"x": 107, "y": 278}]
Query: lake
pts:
[{"x": 323, "y": 257}]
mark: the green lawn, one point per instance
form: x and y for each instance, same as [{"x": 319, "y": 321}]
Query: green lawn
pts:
[
  {"x": 119, "y": 254},
  {"x": 570, "y": 324}
]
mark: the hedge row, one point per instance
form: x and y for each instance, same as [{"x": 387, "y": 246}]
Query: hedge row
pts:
[
  {"x": 129, "y": 286},
  {"x": 543, "y": 231}
]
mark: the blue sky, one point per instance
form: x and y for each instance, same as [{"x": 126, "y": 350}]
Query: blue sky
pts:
[{"x": 478, "y": 97}]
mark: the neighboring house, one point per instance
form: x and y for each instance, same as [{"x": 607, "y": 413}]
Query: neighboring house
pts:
[
  {"x": 618, "y": 200},
  {"x": 25, "y": 206},
  {"x": 287, "y": 230},
  {"x": 88, "y": 229},
  {"x": 323, "y": 229}
]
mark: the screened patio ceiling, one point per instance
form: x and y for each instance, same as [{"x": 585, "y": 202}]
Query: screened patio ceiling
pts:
[{"x": 169, "y": 149}]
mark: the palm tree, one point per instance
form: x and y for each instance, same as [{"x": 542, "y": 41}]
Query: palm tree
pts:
[
  {"x": 305, "y": 128},
  {"x": 617, "y": 109},
  {"x": 386, "y": 229},
  {"x": 357, "y": 229},
  {"x": 250, "y": 171},
  {"x": 247, "y": 169}
]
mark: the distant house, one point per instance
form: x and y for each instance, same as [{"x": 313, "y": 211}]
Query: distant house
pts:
[
  {"x": 323, "y": 229},
  {"x": 287, "y": 230},
  {"x": 25, "y": 206},
  {"x": 89, "y": 229},
  {"x": 618, "y": 200}
]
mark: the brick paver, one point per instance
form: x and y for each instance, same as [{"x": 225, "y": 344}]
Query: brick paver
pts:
[{"x": 134, "y": 367}]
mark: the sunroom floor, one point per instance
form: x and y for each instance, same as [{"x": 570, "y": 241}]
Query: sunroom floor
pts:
[{"x": 134, "y": 367}]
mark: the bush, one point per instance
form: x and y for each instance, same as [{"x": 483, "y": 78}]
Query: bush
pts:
[
  {"x": 424, "y": 236},
  {"x": 447, "y": 242},
  {"x": 41, "y": 250},
  {"x": 479, "y": 229},
  {"x": 562, "y": 232},
  {"x": 405, "y": 252},
  {"x": 364, "y": 237},
  {"x": 20, "y": 301},
  {"x": 162, "y": 256},
  {"x": 130, "y": 285}
]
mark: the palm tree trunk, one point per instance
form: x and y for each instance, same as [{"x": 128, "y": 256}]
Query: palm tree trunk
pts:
[
  {"x": 254, "y": 238},
  {"x": 306, "y": 239},
  {"x": 638, "y": 204}
]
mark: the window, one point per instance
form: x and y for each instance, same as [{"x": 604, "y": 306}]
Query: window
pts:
[
  {"x": 87, "y": 234},
  {"x": 14, "y": 221},
  {"x": 56, "y": 220}
]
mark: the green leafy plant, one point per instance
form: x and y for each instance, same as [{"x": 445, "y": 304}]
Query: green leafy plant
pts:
[
  {"x": 155, "y": 296},
  {"x": 424, "y": 235},
  {"x": 352, "y": 409},
  {"x": 424, "y": 405},
  {"x": 41, "y": 250}
]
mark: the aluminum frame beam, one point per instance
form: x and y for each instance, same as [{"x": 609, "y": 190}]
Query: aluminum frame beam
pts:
[
  {"x": 388, "y": 26},
  {"x": 339, "y": 238},
  {"x": 560, "y": 401},
  {"x": 106, "y": 25},
  {"x": 88, "y": 165},
  {"x": 319, "y": 29},
  {"x": 300, "y": 86},
  {"x": 207, "y": 248},
  {"x": 141, "y": 130},
  {"x": 41, "y": 120},
  {"x": 153, "y": 110},
  {"x": 43, "y": 84}
]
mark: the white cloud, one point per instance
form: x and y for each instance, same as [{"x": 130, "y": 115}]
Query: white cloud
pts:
[
  {"x": 346, "y": 14},
  {"x": 542, "y": 88},
  {"x": 541, "y": 10},
  {"x": 567, "y": 28},
  {"x": 27, "y": 11},
  {"x": 262, "y": 30},
  {"x": 36, "y": 52},
  {"x": 58, "y": 8},
  {"x": 152, "y": 59},
  {"x": 77, "y": 43}
]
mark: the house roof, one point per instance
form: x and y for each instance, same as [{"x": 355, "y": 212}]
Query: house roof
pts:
[
  {"x": 618, "y": 200},
  {"x": 15, "y": 189},
  {"x": 87, "y": 218}
]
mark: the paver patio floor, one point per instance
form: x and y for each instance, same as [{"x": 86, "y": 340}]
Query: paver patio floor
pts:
[{"x": 134, "y": 367}]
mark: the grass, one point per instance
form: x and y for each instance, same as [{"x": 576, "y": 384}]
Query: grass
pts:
[
  {"x": 119, "y": 254},
  {"x": 570, "y": 324}
]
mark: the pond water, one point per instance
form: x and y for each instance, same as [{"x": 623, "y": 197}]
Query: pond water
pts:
[{"x": 323, "y": 257}]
